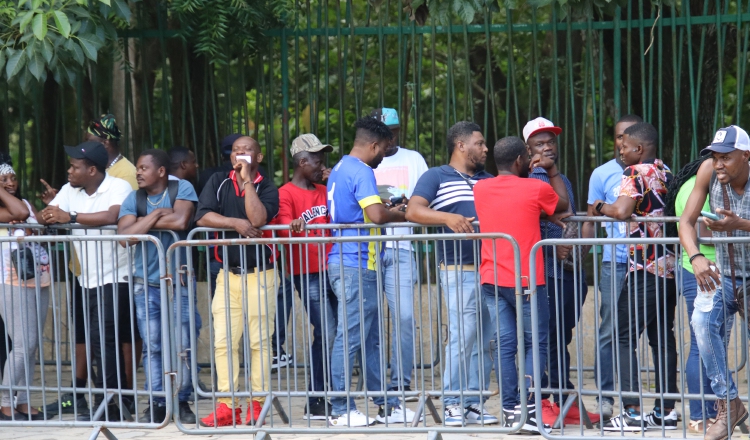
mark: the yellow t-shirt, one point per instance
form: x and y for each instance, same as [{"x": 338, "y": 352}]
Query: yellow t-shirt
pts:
[{"x": 125, "y": 170}]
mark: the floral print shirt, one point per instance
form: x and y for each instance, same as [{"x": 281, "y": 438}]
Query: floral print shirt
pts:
[{"x": 646, "y": 183}]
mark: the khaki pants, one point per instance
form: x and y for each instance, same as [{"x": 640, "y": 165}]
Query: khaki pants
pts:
[{"x": 259, "y": 295}]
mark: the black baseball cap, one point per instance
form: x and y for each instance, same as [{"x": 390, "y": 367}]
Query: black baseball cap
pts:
[
  {"x": 91, "y": 150},
  {"x": 226, "y": 143}
]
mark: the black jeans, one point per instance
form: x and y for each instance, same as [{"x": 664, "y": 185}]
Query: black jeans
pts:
[
  {"x": 565, "y": 302},
  {"x": 647, "y": 302},
  {"x": 109, "y": 324}
]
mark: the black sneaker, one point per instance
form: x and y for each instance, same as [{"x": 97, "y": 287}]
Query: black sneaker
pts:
[
  {"x": 112, "y": 414},
  {"x": 67, "y": 405},
  {"x": 159, "y": 414},
  {"x": 530, "y": 427},
  {"x": 654, "y": 420},
  {"x": 628, "y": 421},
  {"x": 508, "y": 418},
  {"x": 317, "y": 409},
  {"x": 187, "y": 416}
]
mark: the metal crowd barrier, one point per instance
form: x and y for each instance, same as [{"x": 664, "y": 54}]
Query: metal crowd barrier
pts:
[
  {"x": 289, "y": 391},
  {"x": 110, "y": 321}
]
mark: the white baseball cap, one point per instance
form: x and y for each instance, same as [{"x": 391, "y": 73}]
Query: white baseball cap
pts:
[{"x": 539, "y": 125}]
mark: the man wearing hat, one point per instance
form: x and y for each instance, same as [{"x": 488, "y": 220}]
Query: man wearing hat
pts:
[
  {"x": 224, "y": 167},
  {"x": 720, "y": 286},
  {"x": 93, "y": 198},
  {"x": 566, "y": 285},
  {"x": 303, "y": 201},
  {"x": 396, "y": 176},
  {"x": 105, "y": 131}
]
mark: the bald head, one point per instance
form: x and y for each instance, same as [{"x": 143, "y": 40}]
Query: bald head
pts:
[
  {"x": 248, "y": 142},
  {"x": 246, "y": 146}
]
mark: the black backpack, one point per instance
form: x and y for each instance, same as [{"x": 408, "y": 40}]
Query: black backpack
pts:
[{"x": 172, "y": 187}]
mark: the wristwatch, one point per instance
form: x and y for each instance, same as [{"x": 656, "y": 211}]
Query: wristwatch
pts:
[
  {"x": 599, "y": 207},
  {"x": 73, "y": 216}
]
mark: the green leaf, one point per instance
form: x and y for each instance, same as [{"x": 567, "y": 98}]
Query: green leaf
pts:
[
  {"x": 27, "y": 16},
  {"x": 2, "y": 59},
  {"x": 62, "y": 23},
  {"x": 106, "y": 2},
  {"x": 15, "y": 64},
  {"x": 39, "y": 24},
  {"x": 122, "y": 10},
  {"x": 75, "y": 51},
  {"x": 35, "y": 4},
  {"x": 80, "y": 12},
  {"x": 36, "y": 64},
  {"x": 47, "y": 51},
  {"x": 89, "y": 44},
  {"x": 24, "y": 80}
]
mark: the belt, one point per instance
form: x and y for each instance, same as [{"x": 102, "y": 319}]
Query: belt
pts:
[
  {"x": 464, "y": 267},
  {"x": 237, "y": 270}
]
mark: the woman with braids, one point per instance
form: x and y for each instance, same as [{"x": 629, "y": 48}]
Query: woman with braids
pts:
[
  {"x": 695, "y": 373},
  {"x": 24, "y": 298}
]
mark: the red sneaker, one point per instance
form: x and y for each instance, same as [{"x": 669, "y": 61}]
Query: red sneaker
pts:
[
  {"x": 253, "y": 413},
  {"x": 549, "y": 412},
  {"x": 222, "y": 417},
  {"x": 574, "y": 416}
]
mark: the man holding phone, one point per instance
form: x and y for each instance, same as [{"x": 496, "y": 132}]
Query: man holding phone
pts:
[
  {"x": 727, "y": 186},
  {"x": 396, "y": 176}
]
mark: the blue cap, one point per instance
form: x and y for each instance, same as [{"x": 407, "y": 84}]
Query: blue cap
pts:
[
  {"x": 388, "y": 116},
  {"x": 728, "y": 139},
  {"x": 226, "y": 143}
]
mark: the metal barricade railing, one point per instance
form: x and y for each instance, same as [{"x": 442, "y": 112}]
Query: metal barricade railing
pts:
[
  {"x": 290, "y": 382},
  {"x": 649, "y": 385},
  {"x": 110, "y": 322}
]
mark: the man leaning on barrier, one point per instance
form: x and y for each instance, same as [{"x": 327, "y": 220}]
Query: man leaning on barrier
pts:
[
  {"x": 604, "y": 184},
  {"x": 566, "y": 280},
  {"x": 352, "y": 268},
  {"x": 648, "y": 296},
  {"x": 302, "y": 202},
  {"x": 242, "y": 200},
  {"x": 444, "y": 196},
  {"x": 721, "y": 289},
  {"x": 158, "y": 204},
  {"x": 93, "y": 198},
  {"x": 531, "y": 200}
]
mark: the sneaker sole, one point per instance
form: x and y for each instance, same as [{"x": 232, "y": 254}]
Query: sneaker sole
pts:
[
  {"x": 623, "y": 428},
  {"x": 314, "y": 417},
  {"x": 454, "y": 423},
  {"x": 486, "y": 422}
]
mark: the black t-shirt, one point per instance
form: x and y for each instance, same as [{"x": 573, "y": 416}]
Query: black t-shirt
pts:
[
  {"x": 222, "y": 196},
  {"x": 224, "y": 168}
]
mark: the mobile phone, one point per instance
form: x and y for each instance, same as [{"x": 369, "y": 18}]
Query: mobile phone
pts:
[
  {"x": 710, "y": 215},
  {"x": 397, "y": 200},
  {"x": 248, "y": 159}
]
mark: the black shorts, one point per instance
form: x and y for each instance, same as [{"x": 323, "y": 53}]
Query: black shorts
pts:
[{"x": 127, "y": 323}]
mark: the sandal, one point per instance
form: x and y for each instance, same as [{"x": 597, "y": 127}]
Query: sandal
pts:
[{"x": 697, "y": 427}]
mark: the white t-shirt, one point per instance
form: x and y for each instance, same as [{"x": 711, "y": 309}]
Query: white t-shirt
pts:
[
  {"x": 101, "y": 262},
  {"x": 398, "y": 175}
]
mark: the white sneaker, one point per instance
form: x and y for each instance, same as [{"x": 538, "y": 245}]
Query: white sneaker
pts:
[
  {"x": 352, "y": 419},
  {"x": 281, "y": 361},
  {"x": 454, "y": 415},
  {"x": 399, "y": 414},
  {"x": 479, "y": 416}
]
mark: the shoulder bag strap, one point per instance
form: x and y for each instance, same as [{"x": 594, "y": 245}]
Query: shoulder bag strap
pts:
[{"x": 730, "y": 246}]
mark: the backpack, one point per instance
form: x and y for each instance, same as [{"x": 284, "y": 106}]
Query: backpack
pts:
[{"x": 172, "y": 187}]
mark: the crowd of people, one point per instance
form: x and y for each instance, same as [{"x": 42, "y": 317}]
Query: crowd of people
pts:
[{"x": 346, "y": 286}]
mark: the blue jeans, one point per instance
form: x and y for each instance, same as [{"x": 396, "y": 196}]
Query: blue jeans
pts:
[
  {"x": 148, "y": 313},
  {"x": 284, "y": 301},
  {"x": 610, "y": 286},
  {"x": 399, "y": 277},
  {"x": 320, "y": 303},
  {"x": 694, "y": 369},
  {"x": 468, "y": 362},
  {"x": 502, "y": 301},
  {"x": 565, "y": 303},
  {"x": 357, "y": 292},
  {"x": 712, "y": 330}
]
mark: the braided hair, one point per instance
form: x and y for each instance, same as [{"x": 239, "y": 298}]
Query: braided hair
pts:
[{"x": 685, "y": 174}]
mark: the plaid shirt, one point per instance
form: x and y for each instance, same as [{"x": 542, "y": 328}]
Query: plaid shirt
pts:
[{"x": 551, "y": 230}]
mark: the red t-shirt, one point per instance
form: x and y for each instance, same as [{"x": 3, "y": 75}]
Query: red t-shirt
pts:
[
  {"x": 311, "y": 206},
  {"x": 511, "y": 205}
]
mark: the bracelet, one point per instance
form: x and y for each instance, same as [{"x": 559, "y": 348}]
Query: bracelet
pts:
[
  {"x": 550, "y": 177},
  {"x": 696, "y": 256},
  {"x": 246, "y": 182}
]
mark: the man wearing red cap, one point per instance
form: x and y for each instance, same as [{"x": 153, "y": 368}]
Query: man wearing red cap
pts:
[{"x": 566, "y": 281}]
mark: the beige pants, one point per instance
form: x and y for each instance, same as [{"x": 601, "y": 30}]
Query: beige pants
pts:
[{"x": 259, "y": 295}]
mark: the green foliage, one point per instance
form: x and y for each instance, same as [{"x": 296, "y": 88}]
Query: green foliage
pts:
[
  {"x": 38, "y": 37},
  {"x": 224, "y": 30}
]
